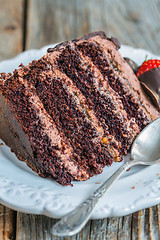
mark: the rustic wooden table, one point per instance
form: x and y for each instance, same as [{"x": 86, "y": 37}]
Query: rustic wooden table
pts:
[{"x": 27, "y": 24}]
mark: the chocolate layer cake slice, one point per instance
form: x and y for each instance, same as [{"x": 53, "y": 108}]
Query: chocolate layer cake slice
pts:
[{"x": 75, "y": 110}]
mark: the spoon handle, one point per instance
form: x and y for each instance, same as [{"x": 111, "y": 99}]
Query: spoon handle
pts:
[{"x": 74, "y": 221}]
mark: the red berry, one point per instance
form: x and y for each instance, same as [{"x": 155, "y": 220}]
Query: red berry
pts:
[{"x": 148, "y": 65}]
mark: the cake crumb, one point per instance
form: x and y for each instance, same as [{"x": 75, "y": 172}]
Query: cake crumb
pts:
[
  {"x": 139, "y": 181},
  {"x": 1, "y": 144}
]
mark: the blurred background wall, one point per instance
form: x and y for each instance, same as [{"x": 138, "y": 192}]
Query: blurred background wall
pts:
[{"x": 26, "y": 24}]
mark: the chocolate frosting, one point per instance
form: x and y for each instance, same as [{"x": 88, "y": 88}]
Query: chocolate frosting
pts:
[
  {"x": 116, "y": 42},
  {"x": 50, "y": 50},
  {"x": 86, "y": 37}
]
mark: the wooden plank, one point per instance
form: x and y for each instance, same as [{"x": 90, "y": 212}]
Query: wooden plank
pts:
[
  {"x": 152, "y": 221},
  {"x": 137, "y": 226},
  {"x": 39, "y": 227},
  {"x": 124, "y": 227},
  {"x": 55, "y": 21},
  {"x": 7, "y": 223},
  {"x": 33, "y": 227},
  {"x": 146, "y": 224},
  {"x": 11, "y": 28},
  {"x": 49, "y": 21},
  {"x": 98, "y": 229},
  {"x": 29, "y": 227},
  {"x": 135, "y": 23}
]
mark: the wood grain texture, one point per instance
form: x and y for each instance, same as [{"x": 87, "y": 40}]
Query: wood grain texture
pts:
[
  {"x": 7, "y": 223},
  {"x": 11, "y": 28},
  {"x": 55, "y": 21},
  {"x": 143, "y": 224},
  {"x": 135, "y": 23}
]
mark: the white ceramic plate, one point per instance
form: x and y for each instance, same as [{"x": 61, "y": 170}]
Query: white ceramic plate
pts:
[{"x": 23, "y": 190}]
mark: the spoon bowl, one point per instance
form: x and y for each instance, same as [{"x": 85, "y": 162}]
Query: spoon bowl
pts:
[
  {"x": 145, "y": 151},
  {"x": 146, "y": 147}
]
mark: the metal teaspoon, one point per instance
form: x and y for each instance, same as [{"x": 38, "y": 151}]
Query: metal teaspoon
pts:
[{"x": 145, "y": 151}]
